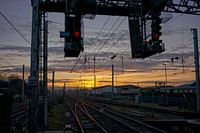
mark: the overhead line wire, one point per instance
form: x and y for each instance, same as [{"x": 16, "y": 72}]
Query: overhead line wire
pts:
[
  {"x": 173, "y": 48},
  {"x": 90, "y": 47},
  {"x": 101, "y": 30},
  {"x": 162, "y": 54},
  {"x": 75, "y": 64},
  {"x": 110, "y": 34},
  {"x": 17, "y": 32},
  {"x": 15, "y": 28},
  {"x": 120, "y": 37},
  {"x": 164, "y": 26}
]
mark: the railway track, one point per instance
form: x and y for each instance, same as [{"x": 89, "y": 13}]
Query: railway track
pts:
[
  {"x": 143, "y": 108},
  {"x": 19, "y": 118},
  {"x": 110, "y": 121},
  {"x": 86, "y": 123},
  {"x": 18, "y": 113}
]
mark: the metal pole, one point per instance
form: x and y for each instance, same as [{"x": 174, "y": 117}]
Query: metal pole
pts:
[
  {"x": 116, "y": 81},
  {"x": 45, "y": 65},
  {"x": 23, "y": 83},
  {"x": 152, "y": 98},
  {"x": 196, "y": 57},
  {"x": 34, "y": 69},
  {"x": 84, "y": 89},
  {"x": 94, "y": 77},
  {"x": 165, "y": 74},
  {"x": 77, "y": 86},
  {"x": 64, "y": 88},
  {"x": 112, "y": 81},
  {"x": 122, "y": 64},
  {"x": 53, "y": 74}
]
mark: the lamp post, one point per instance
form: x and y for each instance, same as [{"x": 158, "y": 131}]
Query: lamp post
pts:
[
  {"x": 165, "y": 74},
  {"x": 113, "y": 76}
]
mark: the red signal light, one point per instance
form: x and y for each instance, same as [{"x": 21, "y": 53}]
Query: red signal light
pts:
[
  {"x": 77, "y": 33},
  {"x": 156, "y": 36}
]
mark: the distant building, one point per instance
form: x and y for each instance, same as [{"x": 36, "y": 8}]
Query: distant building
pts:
[
  {"x": 118, "y": 90},
  {"x": 186, "y": 88},
  {"x": 128, "y": 90},
  {"x": 103, "y": 90}
]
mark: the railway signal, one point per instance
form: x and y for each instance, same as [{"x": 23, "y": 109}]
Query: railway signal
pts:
[
  {"x": 77, "y": 39},
  {"x": 73, "y": 39},
  {"x": 156, "y": 30}
]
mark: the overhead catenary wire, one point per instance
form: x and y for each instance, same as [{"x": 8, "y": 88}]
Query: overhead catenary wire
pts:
[
  {"x": 100, "y": 30},
  {"x": 15, "y": 28},
  {"x": 113, "y": 33},
  {"x": 174, "y": 49},
  {"x": 75, "y": 64},
  {"x": 163, "y": 54},
  {"x": 118, "y": 39},
  {"x": 110, "y": 34},
  {"x": 107, "y": 34},
  {"x": 18, "y": 33},
  {"x": 90, "y": 47}
]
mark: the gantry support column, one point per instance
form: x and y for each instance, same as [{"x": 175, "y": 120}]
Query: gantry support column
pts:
[
  {"x": 34, "y": 69},
  {"x": 196, "y": 58}
]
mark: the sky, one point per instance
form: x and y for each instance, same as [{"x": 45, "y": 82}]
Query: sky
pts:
[{"x": 176, "y": 35}]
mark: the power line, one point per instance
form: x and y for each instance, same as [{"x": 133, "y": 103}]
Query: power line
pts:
[
  {"x": 107, "y": 34},
  {"x": 112, "y": 32},
  {"x": 118, "y": 39},
  {"x": 163, "y": 54},
  {"x": 75, "y": 64},
  {"x": 105, "y": 29},
  {"x": 101, "y": 30},
  {"x": 15, "y": 28},
  {"x": 90, "y": 47}
]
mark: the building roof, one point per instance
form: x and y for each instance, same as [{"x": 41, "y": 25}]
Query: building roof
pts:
[
  {"x": 128, "y": 86},
  {"x": 101, "y": 87},
  {"x": 186, "y": 86},
  {"x": 117, "y": 86}
]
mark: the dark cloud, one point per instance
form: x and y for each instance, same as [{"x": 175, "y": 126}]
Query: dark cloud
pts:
[{"x": 12, "y": 47}]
